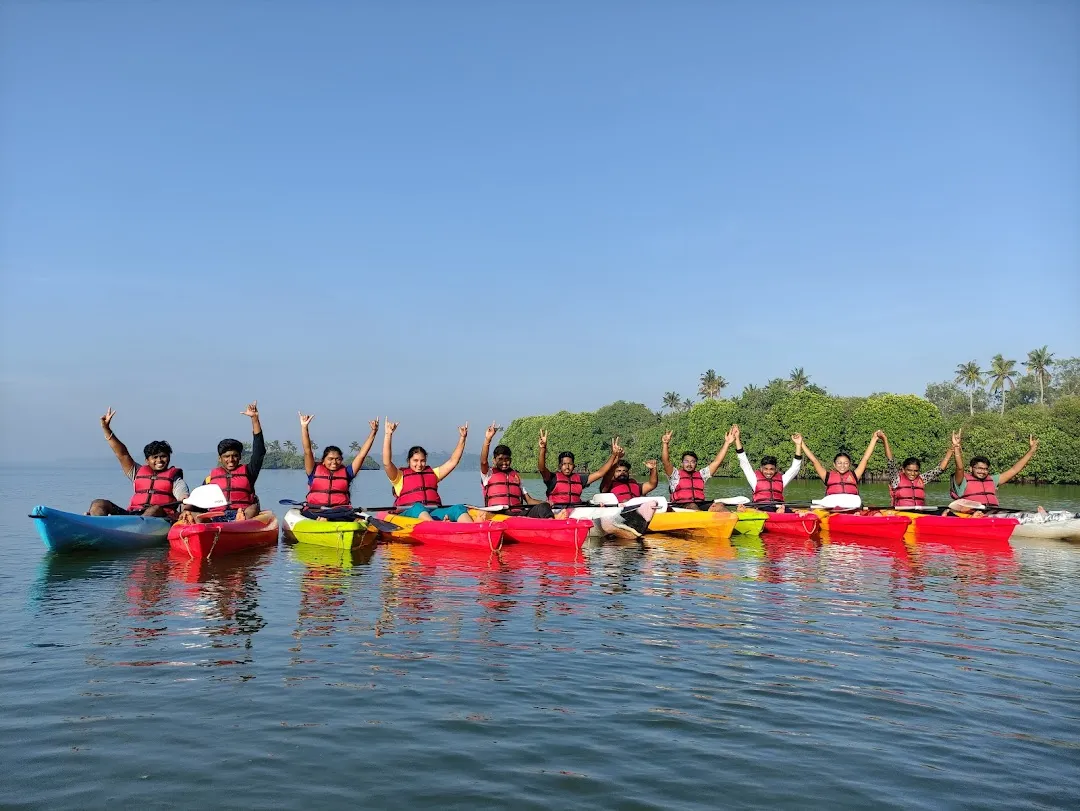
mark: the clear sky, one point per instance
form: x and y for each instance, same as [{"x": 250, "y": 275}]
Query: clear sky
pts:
[{"x": 450, "y": 211}]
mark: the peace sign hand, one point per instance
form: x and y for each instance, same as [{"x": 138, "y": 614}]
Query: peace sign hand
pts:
[
  {"x": 666, "y": 438},
  {"x": 1033, "y": 443},
  {"x": 616, "y": 448},
  {"x": 107, "y": 418},
  {"x": 543, "y": 438},
  {"x": 956, "y": 438}
]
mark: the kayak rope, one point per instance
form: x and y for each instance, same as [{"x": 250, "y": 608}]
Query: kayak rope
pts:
[
  {"x": 494, "y": 547},
  {"x": 184, "y": 538},
  {"x": 802, "y": 521},
  {"x": 217, "y": 534}
]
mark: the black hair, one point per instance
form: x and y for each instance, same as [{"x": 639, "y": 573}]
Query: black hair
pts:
[
  {"x": 975, "y": 460},
  {"x": 565, "y": 455},
  {"x": 415, "y": 449},
  {"x": 156, "y": 447},
  {"x": 622, "y": 463},
  {"x": 688, "y": 453},
  {"x": 768, "y": 460},
  {"x": 501, "y": 450},
  {"x": 331, "y": 449},
  {"x": 846, "y": 456},
  {"x": 227, "y": 445},
  {"x": 911, "y": 460}
]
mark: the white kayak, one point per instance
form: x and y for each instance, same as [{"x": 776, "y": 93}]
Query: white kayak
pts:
[{"x": 1059, "y": 525}]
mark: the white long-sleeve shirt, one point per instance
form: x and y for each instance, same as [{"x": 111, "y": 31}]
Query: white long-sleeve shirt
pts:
[{"x": 751, "y": 474}]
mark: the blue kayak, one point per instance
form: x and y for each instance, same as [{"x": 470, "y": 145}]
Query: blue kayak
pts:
[{"x": 70, "y": 532}]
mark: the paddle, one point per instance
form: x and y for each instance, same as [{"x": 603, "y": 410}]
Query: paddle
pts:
[{"x": 377, "y": 523}]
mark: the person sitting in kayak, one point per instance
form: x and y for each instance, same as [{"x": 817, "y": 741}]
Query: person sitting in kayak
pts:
[
  {"x": 159, "y": 487},
  {"x": 623, "y": 486},
  {"x": 329, "y": 481},
  {"x": 907, "y": 483},
  {"x": 767, "y": 488},
  {"x": 235, "y": 477},
  {"x": 978, "y": 485},
  {"x": 841, "y": 478},
  {"x": 564, "y": 486},
  {"x": 416, "y": 488},
  {"x": 687, "y": 483},
  {"x": 502, "y": 484}
]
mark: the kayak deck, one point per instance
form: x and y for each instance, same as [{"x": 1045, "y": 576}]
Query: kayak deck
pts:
[
  {"x": 71, "y": 532},
  {"x": 334, "y": 534},
  {"x": 792, "y": 523},
  {"x": 889, "y": 527},
  {"x": 205, "y": 540},
  {"x": 718, "y": 525},
  {"x": 985, "y": 528}
]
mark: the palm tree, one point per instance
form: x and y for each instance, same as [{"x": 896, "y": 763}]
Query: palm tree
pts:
[
  {"x": 1038, "y": 363},
  {"x": 687, "y": 404},
  {"x": 969, "y": 374},
  {"x": 1001, "y": 372},
  {"x": 289, "y": 446},
  {"x": 354, "y": 446},
  {"x": 672, "y": 400},
  {"x": 798, "y": 380},
  {"x": 711, "y": 384}
]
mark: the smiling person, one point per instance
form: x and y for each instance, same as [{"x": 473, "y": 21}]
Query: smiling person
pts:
[
  {"x": 687, "y": 483},
  {"x": 564, "y": 486},
  {"x": 416, "y": 487},
  {"x": 978, "y": 485},
  {"x": 502, "y": 484},
  {"x": 765, "y": 485},
  {"x": 330, "y": 480},
  {"x": 159, "y": 487},
  {"x": 623, "y": 486},
  {"x": 235, "y": 478},
  {"x": 841, "y": 478},
  {"x": 907, "y": 483}
]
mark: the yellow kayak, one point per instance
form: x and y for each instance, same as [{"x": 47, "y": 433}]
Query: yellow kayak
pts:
[
  {"x": 750, "y": 522},
  {"x": 334, "y": 534},
  {"x": 696, "y": 522}
]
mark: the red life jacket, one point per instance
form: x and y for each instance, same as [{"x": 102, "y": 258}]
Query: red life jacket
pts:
[
  {"x": 328, "y": 488},
  {"x": 841, "y": 483},
  {"x": 504, "y": 487},
  {"x": 768, "y": 489},
  {"x": 422, "y": 487},
  {"x": 983, "y": 491},
  {"x": 239, "y": 490},
  {"x": 567, "y": 490},
  {"x": 909, "y": 492},
  {"x": 153, "y": 488},
  {"x": 691, "y": 487},
  {"x": 624, "y": 491}
]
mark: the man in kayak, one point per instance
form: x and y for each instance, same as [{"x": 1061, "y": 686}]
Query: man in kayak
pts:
[
  {"x": 564, "y": 486},
  {"x": 687, "y": 483},
  {"x": 619, "y": 482},
  {"x": 236, "y": 478},
  {"x": 907, "y": 483},
  {"x": 416, "y": 488},
  {"x": 330, "y": 480},
  {"x": 766, "y": 487},
  {"x": 159, "y": 487},
  {"x": 978, "y": 485},
  {"x": 841, "y": 478},
  {"x": 502, "y": 484}
]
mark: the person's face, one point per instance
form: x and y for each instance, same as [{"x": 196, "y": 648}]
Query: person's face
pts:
[
  {"x": 842, "y": 465},
  {"x": 418, "y": 461},
  {"x": 768, "y": 471},
  {"x": 689, "y": 463},
  {"x": 912, "y": 472},
  {"x": 230, "y": 460},
  {"x": 566, "y": 466},
  {"x": 622, "y": 473},
  {"x": 158, "y": 462},
  {"x": 980, "y": 471},
  {"x": 333, "y": 461},
  {"x": 502, "y": 462}
]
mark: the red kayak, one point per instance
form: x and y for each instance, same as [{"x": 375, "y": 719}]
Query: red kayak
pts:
[
  {"x": 972, "y": 529},
  {"x": 485, "y": 534},
  {"x": 213, "y": 539},
  {"x": 547, "y": 531},
  {"x": 803, "y": 525},
  {"x": 886, "y": 527}
]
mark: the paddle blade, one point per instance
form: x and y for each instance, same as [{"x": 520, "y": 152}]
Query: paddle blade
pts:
[
  {"x": 207, "y": 497},
  {"x": 379, "y": 524},
  {"x": 966, "y": 505},
  {"x": 605, "y": 500},
  {"x": 839, "y": 501},
  {"x": 734, "y": 501}
]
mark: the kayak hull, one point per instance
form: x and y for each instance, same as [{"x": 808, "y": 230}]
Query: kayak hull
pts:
[
  {"x": 797, "y": 524},
  {"x": 750, "y": 522},
  {"x": 1065, "y": 530},
  {"x": 472, "y": 534},
  {"x": 334, "y": 534},
  {"x": 986, "y": 528},
  {"x": 573, "y": 532},
  {"x": 225, "y": 538},
  {"x": 700, "y": 523},
  {"x": 885, "y": 527},
  {"x": 70, "y": 532}
]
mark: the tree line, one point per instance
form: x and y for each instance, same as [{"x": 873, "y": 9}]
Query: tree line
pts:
[
  {"x": 769, "y": 414},
  {"x": 286, "y": 456}
]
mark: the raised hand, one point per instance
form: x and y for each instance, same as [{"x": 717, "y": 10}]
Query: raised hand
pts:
[
  {"x": 666, "y": 438},
  {"x": 730, "y": 436},
  {"x": 879, "y": 434},
  {"x": 735, "y": 431},
  {"x": 463, "y": 430},
  {"x": 796, "y": 438},
  {"x": 492, "y": 429},
  {"x": 304, "y": 419},
  {"x": 390, "y": 426},
  {"x": 252, "y": 410},
  {"x": 543, "y": 438},
  {"x": 1033, "y": 443},
  {"x": 107, "y": 418},
  {"x": 616, "y": 448},
  {"x": 650, "y": 464},
  {"x": 374, "y": 425},
  {"x": 956, "y": 438}
]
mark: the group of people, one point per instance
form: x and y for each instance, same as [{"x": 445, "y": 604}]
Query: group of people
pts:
[{"x": 160, "y": 489}]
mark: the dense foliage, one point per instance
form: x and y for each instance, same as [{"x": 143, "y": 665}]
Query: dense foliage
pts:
[{"x": 288, "y": 457}]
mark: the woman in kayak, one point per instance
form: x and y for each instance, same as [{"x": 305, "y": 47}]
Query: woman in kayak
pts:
[
  {"x": 159, "y": 487},
  {"x": 329, "y": 480},
  {"x": 841, "y": 478},
  {"x": 907, "y": 483},
  {"x": 687, "y": 483},
  {"x": 416, "y": 487}
]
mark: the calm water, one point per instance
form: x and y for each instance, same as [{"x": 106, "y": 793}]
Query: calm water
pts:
[{"x": 673, "y": 674}]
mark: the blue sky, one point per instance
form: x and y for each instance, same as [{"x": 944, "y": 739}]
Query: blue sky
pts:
[{"x": 467, "y": 211}]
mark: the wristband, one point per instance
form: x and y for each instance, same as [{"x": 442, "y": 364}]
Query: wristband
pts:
[{"x": 109, "y": 437}]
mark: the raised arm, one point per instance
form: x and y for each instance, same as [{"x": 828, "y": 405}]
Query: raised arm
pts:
[
  {"x": 885, "y": 442},
  {"x": 958, "y": 455},
  {"x": 818, "y": 467},
  {"x": 305, "y": 440},
  {"x": 447, "y": 467},
  {"x": 945, "y": 459},
  {"x": 258, "y": 441},
  {"x": 1033, "y": 445},
  {"x": 866, "y": 455},
  {"x": 665, "y": 453},
  {"x": 654, "y": 478},
  {"x": 541, "y": 458},
  {"x": 489, "y": 435},
  {"x": 388, "y": 450},
  {"x": 714, "y": 465},
  {"x": 119, "y": 449},
  {"x": 796, "y": 463},
  {"x": 609, "y": 477},
  {"x": 616, "y": 452},
  {"x": 744, "y": 463},
  {"x": 365, "y": 449}
]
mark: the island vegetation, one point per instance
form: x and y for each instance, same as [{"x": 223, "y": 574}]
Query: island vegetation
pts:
[{"x": 286, "y": 456}]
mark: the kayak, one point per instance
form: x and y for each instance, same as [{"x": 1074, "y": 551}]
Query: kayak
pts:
[
  {"x": 571, "y": 532},
  {"x": 799, "y": 524},
  {"x": 336, "y": 534},
  {"x": 1059, "y": 525},
  {"x": 985, "y": 528},
  {"x": 696, "y": 522},
  {"x": 484, "y": 534},
  {"x": 750, "y": 522},
  {"x": 224, "y": 538},
  {"x": 71, "y": 532},
  {"x": 890, "y": 527}
]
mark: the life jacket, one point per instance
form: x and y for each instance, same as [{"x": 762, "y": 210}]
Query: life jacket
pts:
[
  {"x": 909, "y": 492},
  {"x": 328, "y": 488},
  {"x": 567, "y": 490},
  {"x": 153, "y": 488},
  {"x": 841, "y": 483},
  {"x": 238, "y": 488},
  {"x": 691, "y": 487},
  {"x": 983, "y": 491},
  {"x": 504, "y": 487},
  {"x": 768, "y": 489},
  {"x": 422, "y": 487},
  {"x": 624, "y": 491}
]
